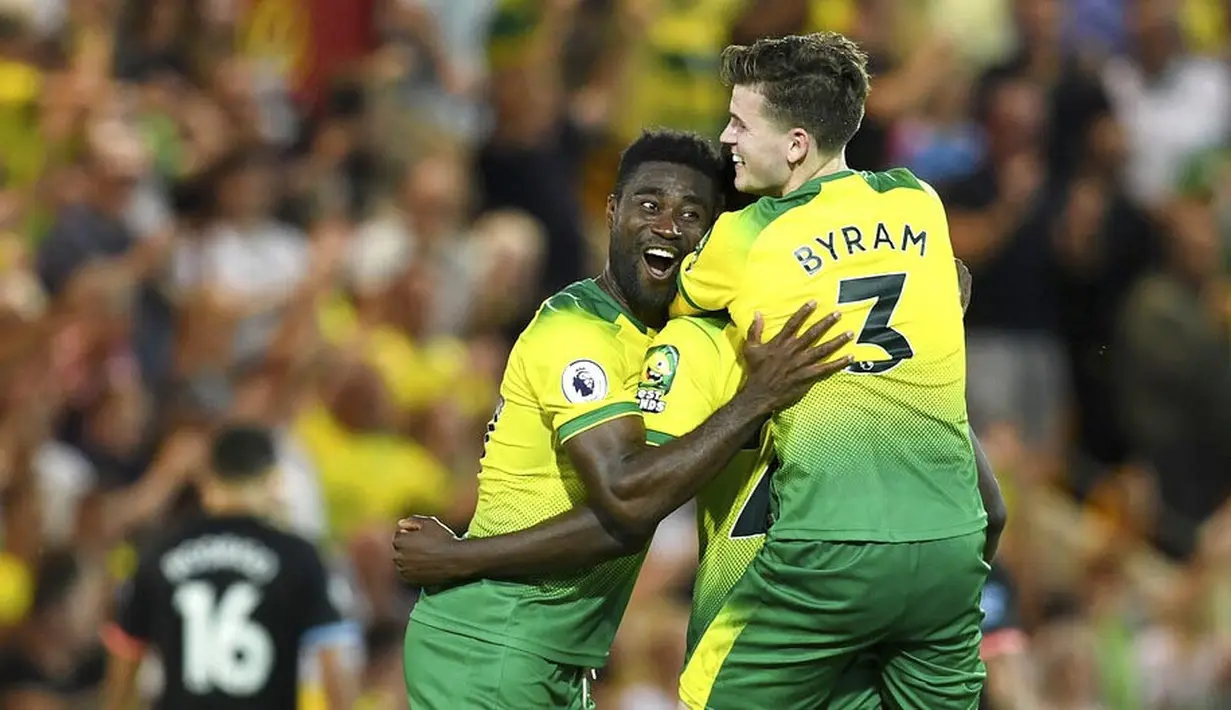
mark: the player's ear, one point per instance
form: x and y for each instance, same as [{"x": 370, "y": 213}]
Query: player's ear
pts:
[
  {"x": 611, "y": 208},
  {"x": 800, "y": 143}
]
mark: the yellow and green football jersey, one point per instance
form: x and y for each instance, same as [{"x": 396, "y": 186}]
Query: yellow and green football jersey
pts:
[
  {"x": 692, "y": 369},
  {"x": 880, "y": 452},
  {"x": 575, "y": 367}
]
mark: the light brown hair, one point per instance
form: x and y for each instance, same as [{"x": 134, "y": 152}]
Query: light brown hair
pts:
[{"x": 818, "y": 82}]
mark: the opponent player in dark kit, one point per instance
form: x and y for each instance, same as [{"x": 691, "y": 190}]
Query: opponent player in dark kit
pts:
[{"x": 230, "y": 603}]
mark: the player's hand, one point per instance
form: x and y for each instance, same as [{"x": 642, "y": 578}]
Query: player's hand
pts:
[
  {"x": 782, "y": 370},
  {"x": 964, "y": 283},
  {"x": 423, "y": 551}
]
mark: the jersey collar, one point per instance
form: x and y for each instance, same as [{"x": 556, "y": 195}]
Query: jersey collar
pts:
[
  {"x": 593, "y": 286},
  {"x": 813, "y": 186}
]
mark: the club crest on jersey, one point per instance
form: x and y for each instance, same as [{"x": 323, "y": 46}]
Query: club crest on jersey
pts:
[
  {"x": 583, "y": 381},
  {"x": 661, "y": 363}
]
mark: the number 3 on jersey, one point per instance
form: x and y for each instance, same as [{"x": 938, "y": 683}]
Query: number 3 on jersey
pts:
[
  {"x": 753, "y": 518},
  {"x": 224, "y": 649},
  {"x": 884, "y": 290}
]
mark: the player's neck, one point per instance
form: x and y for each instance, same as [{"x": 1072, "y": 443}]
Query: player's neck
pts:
[
  {"x": 805, "y": 171},
  {"x": 237, "y": 503},
  {"x": 607, "y": 282}
]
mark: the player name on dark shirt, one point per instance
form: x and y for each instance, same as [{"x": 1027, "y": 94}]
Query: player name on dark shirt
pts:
[
  {"x": 217, "y": 553},
  {"x": 228, "y": 604}
]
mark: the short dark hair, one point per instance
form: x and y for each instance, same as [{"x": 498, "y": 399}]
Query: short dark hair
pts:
[
  {"x": 241, "y": 452},
  {"x": 662, "y": 145},
  {"x": 818, "y": 82}
]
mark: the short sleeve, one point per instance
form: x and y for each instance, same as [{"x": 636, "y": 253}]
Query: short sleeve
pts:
[
  {"x": 680, "y": 378},
  {"x": 579, "y": 374},
  {"x": 711, "y": 276}
]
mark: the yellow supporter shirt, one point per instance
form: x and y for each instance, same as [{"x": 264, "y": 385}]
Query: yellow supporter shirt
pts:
[
  {"x": 23, "y": 151},
  {"x": 673, "y": 73},
  {"x": 417, "y": 375},
  {"x": 369, "y": 478},
  {"x": 16, "y": 590}
]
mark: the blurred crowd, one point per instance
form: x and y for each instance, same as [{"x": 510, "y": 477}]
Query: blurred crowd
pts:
[{"x": 333, "y": 217}]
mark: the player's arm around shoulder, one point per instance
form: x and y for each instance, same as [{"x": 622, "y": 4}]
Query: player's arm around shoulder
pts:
[
  {"x": 631, "y": 487},
  {"x": 640, "y": 486},
  {"x": 607, "y": 456},
  {"x": 582, "y": 378},
  {"x": 710, "y": 277},
  {"x": 673, "y": 396}
]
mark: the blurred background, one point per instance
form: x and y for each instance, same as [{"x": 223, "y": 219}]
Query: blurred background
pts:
[{"x": 334, "y": 216}]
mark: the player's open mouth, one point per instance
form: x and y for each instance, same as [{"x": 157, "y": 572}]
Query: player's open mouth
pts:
[{"x": 660, "y": 262}]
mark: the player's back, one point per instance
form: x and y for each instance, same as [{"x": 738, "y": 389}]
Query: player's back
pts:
[
  {"x": 574, "y": 368},
  {"x": 228, "y": 602},
  {"x": 880, "y": 452}
]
